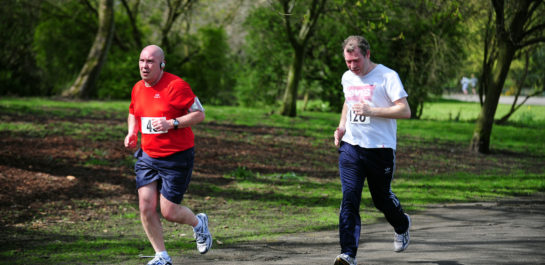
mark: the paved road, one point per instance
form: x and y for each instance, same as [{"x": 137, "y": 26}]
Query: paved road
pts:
[
  {"x": 508, "y": 231},
  {"x": 503, "y": 99}
]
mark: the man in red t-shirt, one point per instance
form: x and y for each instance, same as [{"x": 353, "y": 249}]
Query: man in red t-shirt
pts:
[{"x": 162, "y": 109}]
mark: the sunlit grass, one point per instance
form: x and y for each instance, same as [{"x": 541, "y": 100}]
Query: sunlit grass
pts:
[{"x": 254, "y": 205}]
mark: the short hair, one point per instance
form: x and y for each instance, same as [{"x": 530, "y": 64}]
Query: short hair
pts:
[{"x": 354, "y": 41}]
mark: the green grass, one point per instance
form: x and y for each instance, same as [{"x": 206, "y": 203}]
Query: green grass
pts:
[{"x": 248, "y": 205}]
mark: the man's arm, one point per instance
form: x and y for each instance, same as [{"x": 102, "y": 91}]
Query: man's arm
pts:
[
  {"x": 189, "y": 119},
  {"x": 339, "y": 132},
  {"x": 132, "y": 132},
  {"x": 400, "y": 110}
]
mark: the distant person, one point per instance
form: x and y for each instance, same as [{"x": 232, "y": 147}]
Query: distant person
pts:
[
  {"x": 162, "y": 109},
  {"x": 366, "y": 137},
  {"x": 473, "y": 81},
  {"x": 465, "y": 82}
]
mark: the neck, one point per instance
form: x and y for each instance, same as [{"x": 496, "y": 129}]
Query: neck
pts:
[
  {"x": 156, "y": 80},
  {"x": 370, "y": 68}
]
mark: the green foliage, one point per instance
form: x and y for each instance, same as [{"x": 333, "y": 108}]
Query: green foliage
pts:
[
  {"x": 18, "y": 72},
  {"x": 211, "y": 72},
  {"x": 62, "y": 41},
  {"x": 118, "y": 75},
  {"x": 535, "y": 81},
  {"x": 425, "y": 44},
  {"x": 265, "y": 59}
]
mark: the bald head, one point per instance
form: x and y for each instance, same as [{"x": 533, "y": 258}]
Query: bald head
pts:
[
  {"x": 155, "y": 50},
  {"x": 151, "y": 59}
]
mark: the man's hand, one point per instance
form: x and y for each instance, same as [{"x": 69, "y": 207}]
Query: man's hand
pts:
[
  {"x": 130, "y": 140},
  {"x": 161, "y": 125},
  {"x": 363, "y": 108},
  {"x": 339, "y": 133}
]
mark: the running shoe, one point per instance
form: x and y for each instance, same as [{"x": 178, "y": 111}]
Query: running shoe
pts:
[
  {"x": 344, "y": 259},
  {"x": 203, "y": 236},
  {"x": 401, "y": 241},
  {"x": 159, "y": 260}
]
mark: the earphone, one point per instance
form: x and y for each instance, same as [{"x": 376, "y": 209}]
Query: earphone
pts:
[{"x": 162, "y": 65}]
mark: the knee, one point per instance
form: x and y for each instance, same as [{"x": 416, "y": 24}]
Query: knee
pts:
[
  {"x": 146, "y": 206},
  {"x": 385, "y": 203},
  {"x": 168, "y": 213}
]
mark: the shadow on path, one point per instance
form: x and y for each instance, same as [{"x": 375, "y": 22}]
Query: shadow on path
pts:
[{"x": 507, "y": 231}]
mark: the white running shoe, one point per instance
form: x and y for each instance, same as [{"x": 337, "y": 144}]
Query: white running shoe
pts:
[
  {"x": 158, "y": 260},
  {"x": 344, "y": 259},
  {"x": 401, "y": 241},
  {"x": 203, "y": 236}
]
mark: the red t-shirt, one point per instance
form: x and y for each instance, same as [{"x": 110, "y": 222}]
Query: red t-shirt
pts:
[{"x": 171, "y": 97}]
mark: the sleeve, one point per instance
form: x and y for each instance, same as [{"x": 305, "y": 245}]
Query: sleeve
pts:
[
  {"x": 394, "y": 88},
  {"x": 181, "y": 95},
  {"x": 131, "y": 106}
]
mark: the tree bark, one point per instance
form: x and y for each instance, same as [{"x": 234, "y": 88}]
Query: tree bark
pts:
[
  {"x": 85, "y": 84},
  {"x": 289, "y": 104}
]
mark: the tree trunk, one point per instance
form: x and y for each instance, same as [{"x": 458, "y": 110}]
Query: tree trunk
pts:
[
  {"x": 289, "y": 103},
  {"x": 84, "y": 86},
  {"x": 520, "y": 84},
  {"x": 299, "y": 43},
  {"x": 512, "y": 33},
  {"x": 483, "y": 128}
]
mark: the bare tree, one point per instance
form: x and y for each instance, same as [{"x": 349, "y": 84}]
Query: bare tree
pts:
[
  {"x": 298, "y": 40},
  {"x": 517, "y": 24}
]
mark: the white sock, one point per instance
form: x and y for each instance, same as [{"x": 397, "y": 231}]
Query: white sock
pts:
[
  {"x": 163, "y": 254},
  {"x": 199, "y": 225}
]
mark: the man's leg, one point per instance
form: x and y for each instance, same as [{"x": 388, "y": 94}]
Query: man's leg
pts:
[
  {"x": 352, "y": 185},
  {"x": 148, "y": 199},
  {"x": 380, "y": 171},
  {"x": 183, "y": 215},
  {"x": 176, "y": 213}
]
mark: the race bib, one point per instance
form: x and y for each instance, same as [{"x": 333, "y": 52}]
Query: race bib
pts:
[
  {"x": 147, "y": 128},
  {"x": 358, "y": 119}
]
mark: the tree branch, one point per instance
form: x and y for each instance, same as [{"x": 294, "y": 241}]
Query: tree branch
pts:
[
  {"x": 531, "y": 42},
  {"x": 88, "y": 4},
  {"x": 132, "y": 19},
  {"x": 536, "y": 28},
  {"x": 287, "y": 9}
]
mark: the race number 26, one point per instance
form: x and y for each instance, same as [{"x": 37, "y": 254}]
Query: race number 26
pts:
[{"x": 359, "y": 119}]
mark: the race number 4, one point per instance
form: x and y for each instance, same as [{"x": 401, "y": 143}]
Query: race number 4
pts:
[
  {"x": 147, "y": 128},
  {"x": 359, "y": 119}
]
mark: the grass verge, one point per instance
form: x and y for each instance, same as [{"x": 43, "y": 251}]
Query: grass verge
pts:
[{"x": 256, "y": 199}]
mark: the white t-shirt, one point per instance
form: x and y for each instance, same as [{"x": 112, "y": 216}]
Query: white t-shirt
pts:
[{"x": 379, "y": 88}]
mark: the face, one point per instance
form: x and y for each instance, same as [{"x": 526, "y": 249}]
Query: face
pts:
[
  {"x": 357, "y": 62},
  {"x": 150, "y": 65}
]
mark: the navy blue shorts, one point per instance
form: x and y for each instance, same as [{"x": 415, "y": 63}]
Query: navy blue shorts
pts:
[{"x": 172, "y": 173}]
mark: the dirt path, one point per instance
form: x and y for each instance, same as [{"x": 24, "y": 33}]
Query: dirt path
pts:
[{"x": 508, "y": 231}]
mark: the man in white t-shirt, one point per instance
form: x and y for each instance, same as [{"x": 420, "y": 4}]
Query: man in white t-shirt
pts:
[{"x": 366, "y": 137}]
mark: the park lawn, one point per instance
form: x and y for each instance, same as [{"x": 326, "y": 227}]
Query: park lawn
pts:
[{"x": 257, "y": 196}]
